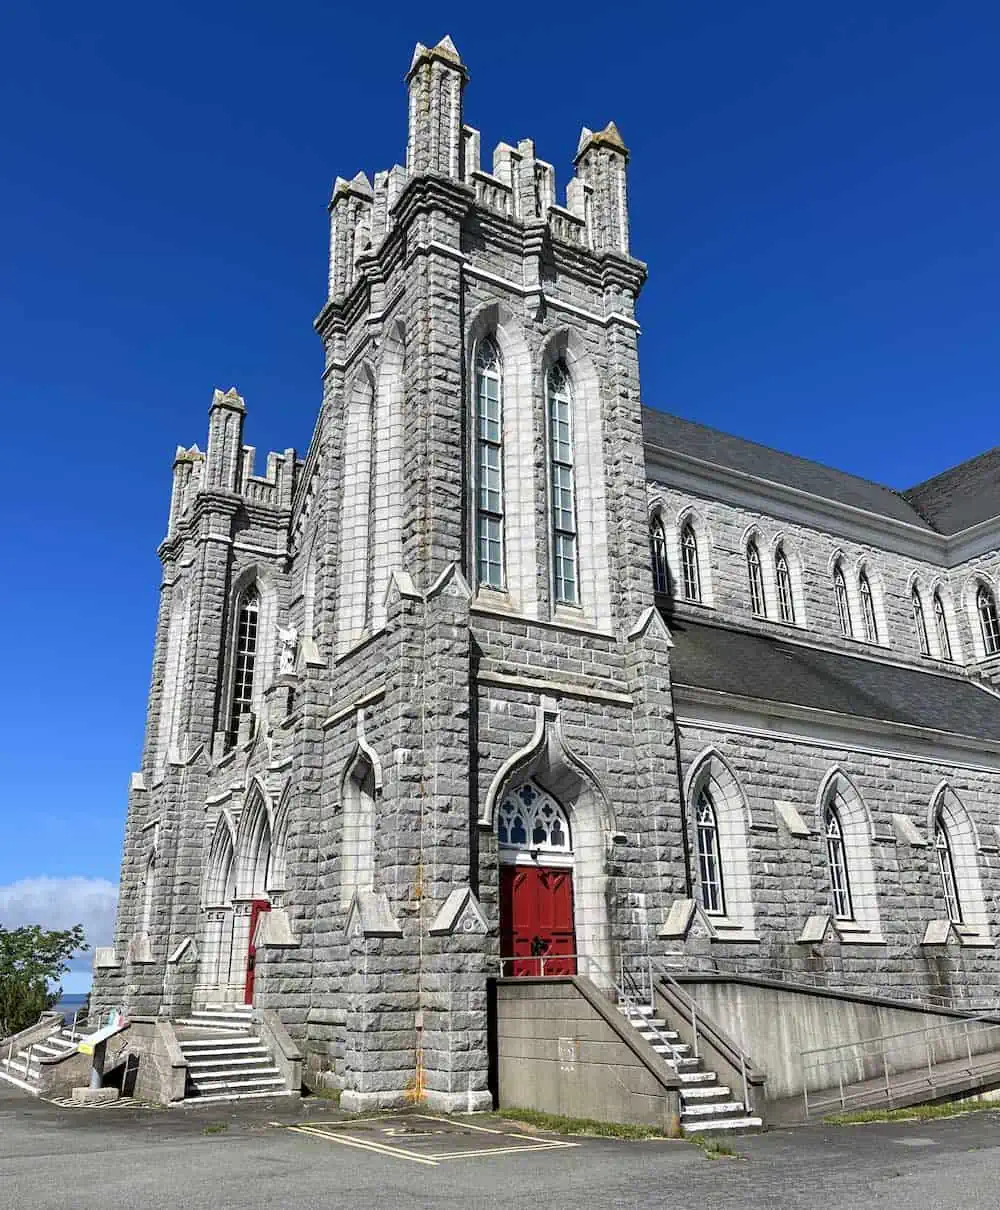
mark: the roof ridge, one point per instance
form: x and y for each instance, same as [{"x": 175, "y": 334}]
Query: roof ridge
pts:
[{"x": 776, "y": 450}]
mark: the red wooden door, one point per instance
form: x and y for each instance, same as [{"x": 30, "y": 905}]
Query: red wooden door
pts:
[
  {"x": 536, "y": 920},
  {"x": 257, "y": 907}
]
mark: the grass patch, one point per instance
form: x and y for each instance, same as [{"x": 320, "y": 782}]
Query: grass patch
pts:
[
  {"x": 216, "y": 1128},
  {"x": 714, "y": 1149},
  {"x": 561, "y": 1125},
  {"x": 912, "y": 1113}
]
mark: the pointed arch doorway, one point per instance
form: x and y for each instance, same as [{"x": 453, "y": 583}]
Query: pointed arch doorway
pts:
[{"x": 537, "y": 930}]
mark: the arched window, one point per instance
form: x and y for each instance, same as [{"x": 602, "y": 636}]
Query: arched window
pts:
[
  {"x": 690, "y": 574},
  {"x": 757, "y": 603},
  {"x": 920, "y": 622},
  {"x": 565, "y": 572},
  {"x": 357, "y": 852},
  {"x": 867, "y": 608},
  {"x": 531, "y": 821},
  {"x": 713, "y": 898},
  {"x": 489, "y": 465},
  {"x": 836, "y": 857},
  {"x": 988, "y": 621},
  {"x": 941, "y": 626},
  {"x": 783, "y": 580},
  {"x": 843, "y": 605},
  {"x": 946, "y": 868},
  {"x": 244, "y": 657},
  {"x": 658, "y": 556}
]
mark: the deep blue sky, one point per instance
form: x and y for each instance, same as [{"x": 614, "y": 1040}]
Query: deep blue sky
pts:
[{"x": 814, "y": 188}]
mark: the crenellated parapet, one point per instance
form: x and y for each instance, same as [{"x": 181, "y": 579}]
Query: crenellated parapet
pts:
[
  {"x": 227, "y": 468},
  {"x": 517, "y": 185}
]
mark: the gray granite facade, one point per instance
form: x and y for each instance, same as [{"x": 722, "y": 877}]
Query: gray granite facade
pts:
[{"x": 393, "y": 702}]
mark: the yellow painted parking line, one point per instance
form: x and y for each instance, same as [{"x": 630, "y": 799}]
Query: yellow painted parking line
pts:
[
  {"x": 460, "y": 1155},
  {"x": 426, "y": 1117},
  {"x": 348, "y": 1140}
]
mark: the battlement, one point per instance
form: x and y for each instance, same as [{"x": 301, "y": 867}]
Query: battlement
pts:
[
  {"x": 228, "y": 465},
  {"x": 519, "y": 186}
]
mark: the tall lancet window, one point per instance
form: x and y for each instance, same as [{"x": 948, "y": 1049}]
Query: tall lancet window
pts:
[
  {"x": 941, "y": 626},
  {"x": 836, "y": 856},
  {"x": 946, "y": 869},
  {"x": 988, "y": 621},
  {"x": 713, "y": 897},
  {"x": 244, "y": 656},
  {"x": 843, "y": 605},
  {"x": 867, "y": 608},
  {"x": 565, "y": 570},
  {"x": 489, "y": 465},
  {"x": 658, "y": 556},
  {"x": 920, "y": 622},
  {"x": 757, "y": 603},
  {"x": 690, "y": 574},
  {"x": 783, "y": 582}
]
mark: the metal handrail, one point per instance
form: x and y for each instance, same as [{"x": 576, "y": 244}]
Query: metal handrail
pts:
[
  {"x": 685, "y": 997},
  {"x": 698, "y": 964},
  {"x": 880, "y": 1049}
]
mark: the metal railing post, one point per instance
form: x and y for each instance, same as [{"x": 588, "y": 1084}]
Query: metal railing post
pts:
[
  {"x": 694, "y": 1029},
  {"x": 840, "y": 1086},
  {"x": 968, "y": 1043},
  {"x": 746, "y": 1087}
]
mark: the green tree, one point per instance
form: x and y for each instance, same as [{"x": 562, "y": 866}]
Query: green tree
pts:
[{"x": 32, "y": 960}]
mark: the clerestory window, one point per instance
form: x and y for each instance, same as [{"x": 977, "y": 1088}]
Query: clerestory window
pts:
[
  {"x": 988, "y": 621},
  {"x": 690, "y": 572},
  {"x": 843, "y": 604},
  {"x": 758, "y": 605},
  {"x": 783, "y": 581},
  {"x": 920, "y": 622},
  {"x": 489, "y": 465},
  {"x": 941, "y": 627},
  {"x": 658, "y": 556},
  {"x": 867, "y": 608},
  {"x": 565, "y": 562}
]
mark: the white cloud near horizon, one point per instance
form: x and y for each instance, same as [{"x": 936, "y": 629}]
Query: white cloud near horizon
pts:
[{"x": 59, "y": 903}]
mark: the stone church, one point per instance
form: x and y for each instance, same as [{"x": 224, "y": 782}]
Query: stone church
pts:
[{"x": 513, "y": 675}]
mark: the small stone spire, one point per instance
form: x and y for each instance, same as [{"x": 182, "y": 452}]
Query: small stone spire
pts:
[{"x": 436, "y": 79}]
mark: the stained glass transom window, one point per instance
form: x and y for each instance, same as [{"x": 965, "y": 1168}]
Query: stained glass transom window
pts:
[{"x": 532, "y": 820}]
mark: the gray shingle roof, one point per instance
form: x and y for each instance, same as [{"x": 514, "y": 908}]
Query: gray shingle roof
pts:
[
  {"x": 962, "y": 496},
  {"x": 755, "y": 665},
  {"x": 723, "y": 449}
]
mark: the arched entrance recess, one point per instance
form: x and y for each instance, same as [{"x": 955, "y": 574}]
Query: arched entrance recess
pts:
[{"x": 537, "y": 927}]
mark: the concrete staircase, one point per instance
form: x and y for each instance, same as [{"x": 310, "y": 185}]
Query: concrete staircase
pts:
[
  {"x": 21, "y": 1066},
  {"x": 227, "y": 1061},
  {"x": 707, "y": 1106}
]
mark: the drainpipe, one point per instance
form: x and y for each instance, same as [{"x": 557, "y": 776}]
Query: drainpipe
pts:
[{"x": 685, "y": 839}]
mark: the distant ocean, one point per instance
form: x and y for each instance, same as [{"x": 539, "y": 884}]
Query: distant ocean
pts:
[{"x": 69, "y": 1004}]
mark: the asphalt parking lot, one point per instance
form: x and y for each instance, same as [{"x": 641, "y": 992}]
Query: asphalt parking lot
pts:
[{"x": 277, "y": 1155}]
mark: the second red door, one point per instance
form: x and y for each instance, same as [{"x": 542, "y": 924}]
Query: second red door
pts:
[{"x": 536, "y": 920}]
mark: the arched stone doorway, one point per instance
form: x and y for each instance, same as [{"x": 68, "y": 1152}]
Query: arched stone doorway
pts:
[{"x": 537, "y": 917}]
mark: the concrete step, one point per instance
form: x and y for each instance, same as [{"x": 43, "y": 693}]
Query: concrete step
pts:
[
  {"x": 242, "y": 1096},
  {"x": 680, "y": 1048},
  {"x": 256, "y": 1084},
  {"x": 8, "y": 1077},
  {"x": 706, "y": 1092},
  {"x": 200, "y": 1046},
  {"x": 226, "y": 1024},
  {"x": 714, "y": 1109},
  {"x": 18, "y": 1066},
  {"x": 724, "y": 1125},
  {"x": 226, "y": 1062},
  {"x": 698, "y": 1077}
]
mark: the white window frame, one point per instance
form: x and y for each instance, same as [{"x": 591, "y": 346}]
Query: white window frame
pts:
[
  {"x": 690, "y": 578},
  {"x": 659, "y": 564},
  {"x": 784, "y": 592},
  {"x": 563, "y": 530},
  {"x": 489, "y": 444},
  {"x": 755, "y": 578},
  {"x": 843, "y": 601}
]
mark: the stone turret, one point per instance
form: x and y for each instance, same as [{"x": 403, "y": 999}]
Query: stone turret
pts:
[
  {"x": 600, "y": 167},
  {"x": 225, "y": 440},
  {"x": 436, "y": 79}
]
